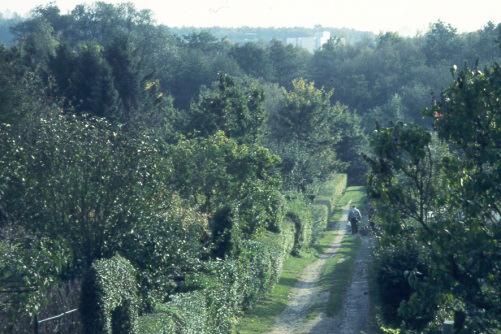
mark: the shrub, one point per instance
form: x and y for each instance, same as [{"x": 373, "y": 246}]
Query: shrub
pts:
[
  {"x": 164, "y": 247},
  {"x": 299, "y": 214},
  {"x": 223, "y": 289},
  {"x": 330, "y": 191},
  {"x": 109, "y": 302},
  {"x": 392, "y": 266},
  {"x": 320, "y": 215},
  {"x": 261, "y": 263}
]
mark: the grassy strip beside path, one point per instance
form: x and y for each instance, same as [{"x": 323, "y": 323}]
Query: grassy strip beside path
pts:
[{"x": 337, "y": 273}]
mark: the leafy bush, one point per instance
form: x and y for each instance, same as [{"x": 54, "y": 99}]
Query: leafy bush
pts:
[
  {"x": 224, "y": 290},
  {"x": 30, "y": 266},
  {"x": 216, "y": 172},
  {"x": 109, "y": 302},
  {"x": 164, "y": 247},
  {"x": 392, "y": 266},
  {"x": 320, "y": 216},
  {"x": 261, "y": 263},
  {"x": 299, "y": 214},
  {"x": 330, "y": 191}
]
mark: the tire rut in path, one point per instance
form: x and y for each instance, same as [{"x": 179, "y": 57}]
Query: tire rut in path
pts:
[{"x": 307, "y": 291}]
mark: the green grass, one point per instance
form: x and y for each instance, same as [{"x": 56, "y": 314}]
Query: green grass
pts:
[
  {"x": 355, "y": 195},
  {"x": 262, "y": 317},
  {"x": 336, "y": 274}
]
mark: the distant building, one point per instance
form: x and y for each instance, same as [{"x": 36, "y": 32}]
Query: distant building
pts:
[{"x": 310, "y": 43}]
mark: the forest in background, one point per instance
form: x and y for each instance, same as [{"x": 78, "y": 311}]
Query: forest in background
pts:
[{"x": 193, "y": 165}]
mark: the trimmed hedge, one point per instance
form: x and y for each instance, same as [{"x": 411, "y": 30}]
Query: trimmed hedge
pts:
[
  {"x": 109, "y": 301},
  {"x": 227, "y": 288},
  {"x": 320, "y": 215},
  {"x": 331, "y": 191},
  {"x": 299, "y": 214}
]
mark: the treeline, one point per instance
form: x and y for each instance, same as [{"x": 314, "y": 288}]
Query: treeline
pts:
[
  {"x": 384, "y": 78},
  {"x": 151, "y": 216},
  {"x": 242, "y": 35}
]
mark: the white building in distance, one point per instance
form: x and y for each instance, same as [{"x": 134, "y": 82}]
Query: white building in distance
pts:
[{"x": 310, "y": 43}]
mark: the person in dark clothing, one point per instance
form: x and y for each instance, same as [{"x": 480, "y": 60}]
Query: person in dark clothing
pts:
[{"x": 354, "y": 217}]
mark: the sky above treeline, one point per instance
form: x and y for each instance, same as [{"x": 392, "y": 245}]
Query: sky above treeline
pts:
[{"x": 407, "y": 17}]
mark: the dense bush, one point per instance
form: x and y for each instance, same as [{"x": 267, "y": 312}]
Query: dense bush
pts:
[
  {"x": 330, "y": 191},
  {"x": 393, "y": 274},
  {"x": 216, "y": 172},
  {"x": 228, "y": 287},
  {"x": 164, "y": 247},
  {"x": 300, "y": 216},
  {"x": 441, "y": 189},
  {"x": 262, "y": 262},
  {"x": 110, "y": 301}
]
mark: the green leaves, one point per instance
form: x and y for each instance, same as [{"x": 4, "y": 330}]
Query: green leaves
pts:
[
  {"x": 216, "y": 172},
  {"x": 109, "y": 302},
  {"x": 231, "y": 107},
  {"x": 304, "y": 132},
  {"x": 443, "y": 198}
]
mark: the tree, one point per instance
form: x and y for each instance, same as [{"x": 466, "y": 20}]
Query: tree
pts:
[
  {"x": 253, "y": 59},
  {"x": 231, "y": 107},
  {"x": 288, "y": 62},
  {"x": 236, "y": 186},
  {"x": 304, "y": 133},
  {"x": 38, "y": 42},
  {"x": 441, "y": 42},
  {"x": 14, "y": 79},
  {"x": 466, "y": 117},
  {"x": 440, "y": 199}
]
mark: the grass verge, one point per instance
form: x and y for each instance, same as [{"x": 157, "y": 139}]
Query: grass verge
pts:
[{"x": 336, "y": 275}]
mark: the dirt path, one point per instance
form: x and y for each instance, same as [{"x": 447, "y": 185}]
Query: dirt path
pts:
[
  {"x": 356, "y": 314},
  {"x": 354, "y": 318},
  {"x": 307, "y": 292}
]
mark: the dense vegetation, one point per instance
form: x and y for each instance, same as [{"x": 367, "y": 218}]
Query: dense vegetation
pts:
[
  {"x": 193, "y": 166},
  {"x": 437, "y": 197}
]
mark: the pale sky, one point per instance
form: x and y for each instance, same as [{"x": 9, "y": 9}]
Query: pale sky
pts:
[{"x": 405, "y": 16}]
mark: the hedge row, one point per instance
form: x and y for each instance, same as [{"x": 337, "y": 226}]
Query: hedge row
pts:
[
  {"x": 320, "y": 216},
  {"x": 109, "y": 301},
  {"x": 330, "y": 191},
  {"x": 299, "y": 214},
  {"x": 227, "y": 288}
]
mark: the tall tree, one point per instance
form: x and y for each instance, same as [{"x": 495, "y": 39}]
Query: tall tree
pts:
[
  {"x": 231, "y": 107},
  {"x": 304, "y": 132}
]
